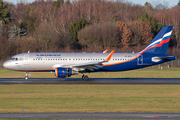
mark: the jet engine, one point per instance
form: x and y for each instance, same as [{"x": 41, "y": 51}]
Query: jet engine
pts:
[{"x": 64, "y": 72}]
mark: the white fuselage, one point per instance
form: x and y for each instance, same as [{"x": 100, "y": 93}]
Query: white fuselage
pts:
[{"x": 49, "y": 61}]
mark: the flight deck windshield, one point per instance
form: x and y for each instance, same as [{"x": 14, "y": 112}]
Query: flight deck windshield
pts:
[{"x": 15, "y": 59}]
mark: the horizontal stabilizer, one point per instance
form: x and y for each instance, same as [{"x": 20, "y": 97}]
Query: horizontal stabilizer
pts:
[{"x": 157, "y": 59}]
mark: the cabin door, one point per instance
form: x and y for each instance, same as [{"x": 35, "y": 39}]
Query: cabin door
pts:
[
  {"x": 140, "y": 60},
  {"x": 26, "y": 60}
]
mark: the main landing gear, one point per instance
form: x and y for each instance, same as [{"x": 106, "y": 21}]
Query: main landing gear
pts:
[{"x": 85, "y": 77}]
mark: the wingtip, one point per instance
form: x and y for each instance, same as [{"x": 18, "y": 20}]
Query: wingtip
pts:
[
  {"x": 105, "y": 51},
  {"x": 110, "y": 55}
]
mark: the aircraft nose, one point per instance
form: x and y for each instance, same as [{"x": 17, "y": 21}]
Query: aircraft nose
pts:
[{"x": 6, "y": 64}]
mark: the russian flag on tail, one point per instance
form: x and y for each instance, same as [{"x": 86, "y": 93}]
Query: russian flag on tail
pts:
[{"x": 160, "y": 42}]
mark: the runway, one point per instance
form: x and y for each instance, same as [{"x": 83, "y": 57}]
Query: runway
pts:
[
  {"x": 92, "y": 115},
  {"x": 90, "y": 81}
]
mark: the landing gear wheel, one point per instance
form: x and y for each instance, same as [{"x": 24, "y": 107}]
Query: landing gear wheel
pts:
[
  {"x": 82, "y": 76},
  {"x": 26, "y": 78},
  {"x": 27, "y": 74},
  {"x": 85, "y": 77}
]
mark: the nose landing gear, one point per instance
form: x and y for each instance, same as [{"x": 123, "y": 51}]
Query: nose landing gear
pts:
[
  {"x": 27, "y": 74},
  {"x": 26, "y": 78}
]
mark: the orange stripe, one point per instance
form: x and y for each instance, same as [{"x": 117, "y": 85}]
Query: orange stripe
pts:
[
  {"x": 120, "y": 62},
  {"x": 36, "y": 70}
]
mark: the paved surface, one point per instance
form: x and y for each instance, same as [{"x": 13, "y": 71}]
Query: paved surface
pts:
[
  {"x": 93, "y": 115},
  {"x": 90, "y": 81}
]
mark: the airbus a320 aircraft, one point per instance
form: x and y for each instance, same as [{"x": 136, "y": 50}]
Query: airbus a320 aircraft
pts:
[{"x": 67, "y": 64}]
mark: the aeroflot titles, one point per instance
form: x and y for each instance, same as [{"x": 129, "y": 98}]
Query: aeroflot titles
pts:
[{"x": 48, "y": 55}]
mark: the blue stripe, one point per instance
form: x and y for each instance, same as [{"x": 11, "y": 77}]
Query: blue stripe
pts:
[{"x": 166, "y": 37}]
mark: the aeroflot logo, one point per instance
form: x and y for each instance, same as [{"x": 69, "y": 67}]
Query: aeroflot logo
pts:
[{"x": 48, "y": 55}]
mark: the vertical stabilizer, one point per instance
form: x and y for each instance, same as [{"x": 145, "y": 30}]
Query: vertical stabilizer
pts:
[{"x": 160, "y": 42}]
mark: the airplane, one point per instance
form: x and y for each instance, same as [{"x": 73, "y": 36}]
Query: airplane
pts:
[{"x": 68, "y": 64}]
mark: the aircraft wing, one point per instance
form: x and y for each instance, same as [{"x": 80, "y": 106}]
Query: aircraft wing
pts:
[{"x": 92, "y": 65}]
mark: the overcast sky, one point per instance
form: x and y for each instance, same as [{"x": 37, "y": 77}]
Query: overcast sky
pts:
[{"x": 141, "y": 2}]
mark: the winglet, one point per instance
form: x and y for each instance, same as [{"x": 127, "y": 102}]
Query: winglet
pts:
[
  {"x": 105, "y": 51},
  {"x": 109, "y": 56}
]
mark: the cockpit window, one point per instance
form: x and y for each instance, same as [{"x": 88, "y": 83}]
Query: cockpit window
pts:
[{"x": 15, "y": 59}]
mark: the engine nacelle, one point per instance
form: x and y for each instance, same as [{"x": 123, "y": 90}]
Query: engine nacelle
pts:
[{"x": 63, "y": 72}]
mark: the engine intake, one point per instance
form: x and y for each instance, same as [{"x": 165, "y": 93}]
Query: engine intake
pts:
[{"x": 63, "y": 72}]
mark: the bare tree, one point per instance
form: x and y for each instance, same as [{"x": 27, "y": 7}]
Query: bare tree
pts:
[{"x": 102, "y": 34}]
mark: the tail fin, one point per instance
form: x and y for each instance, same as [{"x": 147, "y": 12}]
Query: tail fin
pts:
[{"x": 160, "y": 42}]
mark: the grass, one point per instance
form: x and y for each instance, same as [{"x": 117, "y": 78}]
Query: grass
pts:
[
  {"x": 90, "y": 98},
  {"x": 139, "y": 73}
]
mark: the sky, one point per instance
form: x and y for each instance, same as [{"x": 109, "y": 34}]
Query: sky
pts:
[{"x": 141, "y": 2}]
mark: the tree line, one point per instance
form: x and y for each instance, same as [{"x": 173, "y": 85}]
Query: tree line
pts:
[{"x": 83, "y": 26}]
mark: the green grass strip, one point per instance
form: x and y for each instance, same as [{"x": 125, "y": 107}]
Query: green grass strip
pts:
[{"x": 90, "y": 98}]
